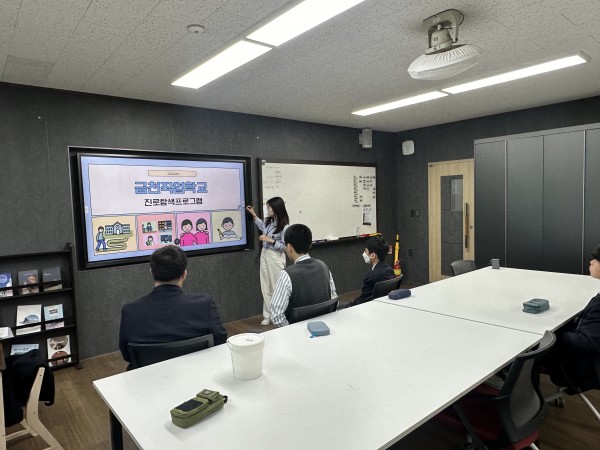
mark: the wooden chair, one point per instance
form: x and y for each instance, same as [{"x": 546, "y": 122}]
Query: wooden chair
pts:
[{"x": 31, "y": 422}]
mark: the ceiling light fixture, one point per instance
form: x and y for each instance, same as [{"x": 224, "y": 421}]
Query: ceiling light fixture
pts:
[
  {"x": 400, "y": 103},
  {"x": 299, "y": 19},
  {"x": 444, "y": 58},
  {"x": 229, "y": 59},
  {"x": 556, "y": 64}
]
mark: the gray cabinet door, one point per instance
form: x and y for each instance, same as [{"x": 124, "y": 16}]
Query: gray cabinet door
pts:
[
  {"x": 524, "y": 194},
  {"x": 489, "y": 202},
  {"x": 592, "y": 196},
  {"x": 562, "y": 216}
]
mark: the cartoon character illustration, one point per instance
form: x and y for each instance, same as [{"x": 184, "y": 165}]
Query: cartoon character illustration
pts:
[
  {"x": 149, "y": 228},
  {"x": 150, "y": 241},
  {"x": 202, "y": 235},
  {"x": 187, "y": 238},
  {"x": 100, "y": 239},
  {"x": 227, "y": 225}
]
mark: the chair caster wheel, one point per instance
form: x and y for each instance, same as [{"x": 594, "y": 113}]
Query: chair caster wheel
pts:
[{"x": 559, "y": 402}]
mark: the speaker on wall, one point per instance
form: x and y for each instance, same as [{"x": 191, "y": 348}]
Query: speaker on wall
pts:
[
  {"x": 408, "y": 148},
  {"x": 365, "y": 139}
]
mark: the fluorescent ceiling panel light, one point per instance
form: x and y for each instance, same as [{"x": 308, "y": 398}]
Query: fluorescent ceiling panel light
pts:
[
  {"x": 400, "y": 103},
  {"x": 299, "y": 19},
  {"x": 561, "y": 63},
  {"x": 229, "y": 59}
]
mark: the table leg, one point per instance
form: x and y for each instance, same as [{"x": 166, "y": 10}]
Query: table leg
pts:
[{"x": 116, "y": 432}]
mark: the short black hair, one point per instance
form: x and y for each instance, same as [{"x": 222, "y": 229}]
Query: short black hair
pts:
[
  {"x": 378, "y": 246},
  {"x": 596, "y": 253},
  {"x": 227, "y": 219},
  {"x": 168, "y": 263},
  {"x": 300, "y": 237}
]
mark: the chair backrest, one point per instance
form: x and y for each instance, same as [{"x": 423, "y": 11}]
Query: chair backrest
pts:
[
  {"x": 318, "y": 309},
  {"x": 385, "y": 287},
  {"x": 521, "y": 405},
  {"x": 462, "y": 266},
  {"x": 145, "y": 354}
]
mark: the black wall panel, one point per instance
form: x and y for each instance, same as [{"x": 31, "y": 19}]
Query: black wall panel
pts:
[
  {"x": 36, "y": 129},
  {"x": 490, "y": 189},
  {"x": 592, "y": 195},
  {"x": 563, "y": 202},
  {"x": 524, "y": 194}
]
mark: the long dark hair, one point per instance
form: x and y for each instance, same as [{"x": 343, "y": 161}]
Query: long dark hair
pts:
[{"x": 280, "y": 215}]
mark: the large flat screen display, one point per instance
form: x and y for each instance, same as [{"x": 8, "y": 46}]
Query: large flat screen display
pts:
[{"x": 132, "y": 204}]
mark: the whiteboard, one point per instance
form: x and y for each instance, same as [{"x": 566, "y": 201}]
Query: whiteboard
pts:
[{"x": 334, "y": 201}]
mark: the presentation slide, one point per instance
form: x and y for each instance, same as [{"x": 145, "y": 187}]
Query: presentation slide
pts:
[{"x": 134, "y": 205}]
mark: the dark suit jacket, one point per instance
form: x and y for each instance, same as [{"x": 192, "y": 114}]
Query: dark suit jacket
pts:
[
  {"x": 168, "y": 314},
  {"x": 577, "y": 350},
  {"x": 381, "y": 272}
]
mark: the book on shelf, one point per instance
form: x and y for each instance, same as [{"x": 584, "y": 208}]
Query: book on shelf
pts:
[
  {"x": 59, "y": 347},
  {"x": 53, "y": 312},
  {"x": 29, "y": 281},
  {"x": 51, "y": 278},
  {"x": 5, "y": 333},
  {"x": 6, "y": 285},
  {"x": 19, "y": 349},
  {"x": 26, "y": 315}
]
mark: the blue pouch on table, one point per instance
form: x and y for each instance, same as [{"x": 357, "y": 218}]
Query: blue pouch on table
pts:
[
  {"x": 318, "y": 328},
  {"x": 536, "y": 305},
  {"x": 399, "y": 293}
]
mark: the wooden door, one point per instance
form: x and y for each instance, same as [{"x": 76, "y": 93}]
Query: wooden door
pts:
[{"x": 451, "y": 215}]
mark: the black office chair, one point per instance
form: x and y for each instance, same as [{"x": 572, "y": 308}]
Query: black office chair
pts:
[
  {"x": 509, "y": 417},
  {"x": 462, "y": 266},
  {"x": 578, "y": 387},
  {"x": 145, "y": 354},
  {"x": 308, "y": 312},
  {"x": 383, "y": 288}
]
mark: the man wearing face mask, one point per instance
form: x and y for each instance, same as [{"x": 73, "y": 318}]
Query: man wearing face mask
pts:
[{"x": 375, "y": 252}]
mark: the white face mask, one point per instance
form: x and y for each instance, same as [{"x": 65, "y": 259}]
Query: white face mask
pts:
[{"x": 367, "y": 258}]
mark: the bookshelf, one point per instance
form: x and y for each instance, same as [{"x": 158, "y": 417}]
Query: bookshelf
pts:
[{"x": 38, "y": 307}]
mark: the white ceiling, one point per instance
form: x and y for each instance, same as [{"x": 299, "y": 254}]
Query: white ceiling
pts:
[{"x": 136, "y": 48}]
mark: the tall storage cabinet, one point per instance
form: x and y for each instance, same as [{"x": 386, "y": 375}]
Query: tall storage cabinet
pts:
[
  {"x": 42, "y": 313},
  {"x": 537, "y": 192}
]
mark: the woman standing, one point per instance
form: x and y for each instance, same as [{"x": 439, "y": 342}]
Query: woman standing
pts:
[{"x": 272, "y": 257}]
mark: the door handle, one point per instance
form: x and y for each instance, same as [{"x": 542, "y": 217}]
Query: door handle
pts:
[{"x": 467, "y": 226}]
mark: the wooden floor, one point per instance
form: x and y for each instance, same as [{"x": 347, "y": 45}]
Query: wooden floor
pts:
[{"x": 79, "y": 418}]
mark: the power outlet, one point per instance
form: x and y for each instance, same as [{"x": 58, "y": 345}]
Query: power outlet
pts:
[{"x": 410, "y": 252}]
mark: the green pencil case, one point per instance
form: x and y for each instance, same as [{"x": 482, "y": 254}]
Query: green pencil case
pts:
[
  {"x": 536, "y": 305},
  {"x": 194, "y": 410}
]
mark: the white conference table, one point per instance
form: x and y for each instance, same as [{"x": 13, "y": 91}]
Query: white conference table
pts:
[
  {"x": 496, "y": 297},
  {"x": 381, "y": 373}
]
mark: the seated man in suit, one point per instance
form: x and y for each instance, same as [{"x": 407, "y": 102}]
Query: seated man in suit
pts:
[
  {"x": 167, "y": 314},
  {"x": 578, "y": 344},
  {"x": 307, "y": 282},
  {"x": 376, "y": 249}
]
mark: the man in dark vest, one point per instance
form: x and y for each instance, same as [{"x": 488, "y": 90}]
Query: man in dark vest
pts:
[{"x": 306, "y": 282}]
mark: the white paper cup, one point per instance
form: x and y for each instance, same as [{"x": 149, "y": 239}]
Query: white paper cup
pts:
[{"x": 246, "y": 355}]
